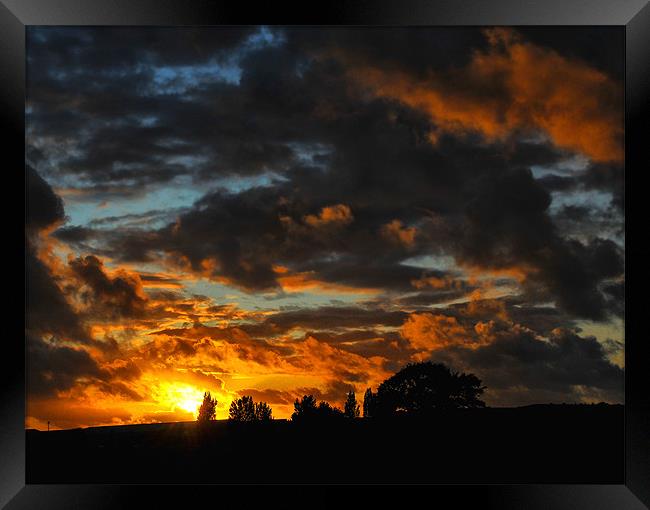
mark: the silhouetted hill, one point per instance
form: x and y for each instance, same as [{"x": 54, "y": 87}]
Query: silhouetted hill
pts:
[{"x": 542, "y": 443}]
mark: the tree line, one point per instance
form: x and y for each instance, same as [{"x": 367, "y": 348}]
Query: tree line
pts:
[{"x": 417, "y": 389}]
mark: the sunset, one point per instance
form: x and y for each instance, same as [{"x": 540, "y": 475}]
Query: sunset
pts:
[{"x": 278, "y": 212}]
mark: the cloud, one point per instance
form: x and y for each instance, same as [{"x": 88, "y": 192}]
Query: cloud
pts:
[
  {"x": 397, "y": 232},
  {"x": 308, "y": 281},
  {"x": 326, "y": 318},
  {"x": 117, "y": 296},
  {"x": 47, "y": 310},
  {"x": 515, "y": 85},
  {"x": 339, "y": 365},
  {"x": 44, "y": 208},
  {"x": 521, "y": 368},
  {"x": 235, "y": 350},
  {"x": 58, "y": 368},
  {"x": 439, "y": 281},
  {"x": 507, "y": 226},
  {"x": 338, "y": 214},
  {"x": 270, "y": 396},
  {"x": 427, "y": 331}
]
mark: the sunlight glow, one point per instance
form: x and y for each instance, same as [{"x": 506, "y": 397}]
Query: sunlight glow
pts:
[{"x": 182, "y": 396}]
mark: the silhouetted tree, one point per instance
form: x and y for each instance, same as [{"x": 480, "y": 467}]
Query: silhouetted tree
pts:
[
  {"x": 369, "y": 403},
  {"x": 306, "y": 409},
  {"x": 351, "y": 408},
  {"x": 208, "y": 409},
  {"x": 263, "y": 412},
  {"x": 244, "y": 409},
  {"x": 325, "y": 411},
  {"x": 422, "y": 387}
]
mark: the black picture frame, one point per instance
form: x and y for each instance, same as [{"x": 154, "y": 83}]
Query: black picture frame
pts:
[{"x": 633, "y": 15}]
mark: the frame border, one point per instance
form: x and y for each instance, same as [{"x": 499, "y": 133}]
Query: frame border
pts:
[{"x": 633, "y": 15}]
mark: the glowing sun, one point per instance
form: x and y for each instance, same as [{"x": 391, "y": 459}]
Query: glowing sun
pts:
[{"x": 184, "y": 397}]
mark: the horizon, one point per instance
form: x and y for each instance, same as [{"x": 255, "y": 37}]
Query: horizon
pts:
[
  {"x": 288, "y": 420},
  {"x": 283, "y": 211}
]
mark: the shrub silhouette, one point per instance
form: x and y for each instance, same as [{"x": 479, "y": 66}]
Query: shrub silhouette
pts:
[
  {"x": 351, "y": 408},
  {"x": 245, "y": 410},
  {"x": 208, "y": 409},
  {"x": 306, "y": 410},
  {"x": 423, "y": 387}
]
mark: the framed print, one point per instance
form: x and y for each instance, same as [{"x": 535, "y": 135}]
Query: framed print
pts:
[{"x": 367, "y": 245}]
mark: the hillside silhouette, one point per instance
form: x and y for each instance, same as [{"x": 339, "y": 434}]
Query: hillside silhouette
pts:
[{"x": 544, "y": 444}]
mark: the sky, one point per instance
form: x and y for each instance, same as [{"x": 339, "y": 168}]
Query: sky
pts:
[{"x": 281, "y": 211}]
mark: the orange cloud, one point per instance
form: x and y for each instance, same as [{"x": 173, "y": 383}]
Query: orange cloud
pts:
[
  {"x": 396, "y": 232},
  {"x": 513, "y": 86},
  {"x": 479, "y": 307},
  {"x": 332, "y": 363},
  {"x": 305, "y": 281},
  {"x": 438, "y": 283},
  {"x": 338, "y": 214},
  {"x": 428, "y": 332},
  {"x": 483, "y": 276}
]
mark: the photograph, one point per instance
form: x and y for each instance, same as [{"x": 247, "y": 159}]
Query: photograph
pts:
[{"x": 323, "y": 254}]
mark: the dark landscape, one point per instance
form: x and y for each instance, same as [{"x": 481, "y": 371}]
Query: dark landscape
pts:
[{"x": 541, "y": 443}]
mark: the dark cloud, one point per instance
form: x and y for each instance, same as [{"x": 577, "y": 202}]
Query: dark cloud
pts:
[
  {"x": 431, "y": 298},
  {"x": 615, "y": 296},
  {"x": 507, "y": 225},
  {"x": 139, "y": 219},
  {"x": 117, "y": 296},
  {"x": 565, "y": 368},
  {"x": 554, "y": 182},
  {"x": 54, "y": 368},
  {"x": 574, "y": 212},
  {"x": 102, "y": 48},
  {"x": 73, "y": 234},
  {"x": 575, "y": 272},
  {"x": 325, "y": 318},
  {"x": 368, "y": 342},
  {"x": 47, "y": 310},
  {"x": 376, "y": 155},
  {"x": 541, "y": 319},
  {"x": 608, "y": 178},
  {"x": 78, "y": 75},
  {"x": 44, "y": 208},
  {"x": 600, "y": 48}
]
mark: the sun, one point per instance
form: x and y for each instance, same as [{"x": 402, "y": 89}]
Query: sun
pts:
[
  {"x": 191, "y": 405},
  {"x": 183, "y": 397}
]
